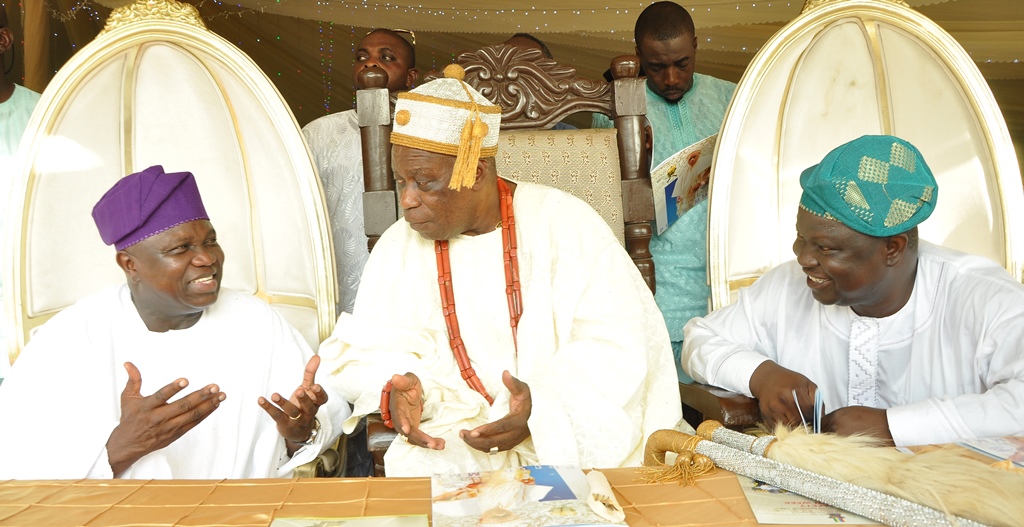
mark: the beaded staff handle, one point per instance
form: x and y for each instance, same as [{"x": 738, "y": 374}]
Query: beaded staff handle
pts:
[{"x": 872, "y": 504}]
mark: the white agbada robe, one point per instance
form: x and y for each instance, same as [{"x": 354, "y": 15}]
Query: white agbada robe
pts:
[
  {"x": 61, "y": 399},
  {"x": 948, "y": 366},
  {"x": 337, "y": 152},
  {"x": 592, "y": 346}
]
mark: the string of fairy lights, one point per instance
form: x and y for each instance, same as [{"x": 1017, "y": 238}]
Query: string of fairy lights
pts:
[{"x": 334, "y": 37}]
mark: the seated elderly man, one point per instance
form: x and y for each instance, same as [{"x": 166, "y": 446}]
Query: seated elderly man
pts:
[
  {"x": 479, "y": 266},
  {"x": 73, "y": 405},
  {"x": 908, "y": 341}
]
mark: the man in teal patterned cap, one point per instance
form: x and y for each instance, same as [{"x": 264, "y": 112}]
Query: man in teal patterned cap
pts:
[{"x": 908, "y": 341}]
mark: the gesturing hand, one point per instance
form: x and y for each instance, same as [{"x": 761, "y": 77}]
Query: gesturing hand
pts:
[
  {"x": 296, "y": 416},
  {"x": 773, "y": 387},
  {"x": 151, "y": 423},
  {"x": 406, "y": 408},
  {"x": 509, "y": 431}
]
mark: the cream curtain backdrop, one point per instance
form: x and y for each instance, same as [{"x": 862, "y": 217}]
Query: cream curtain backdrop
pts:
[{"x": 306, "y": 46}]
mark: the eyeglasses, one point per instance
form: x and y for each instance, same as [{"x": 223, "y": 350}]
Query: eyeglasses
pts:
[{"x": 412, "y": 36}]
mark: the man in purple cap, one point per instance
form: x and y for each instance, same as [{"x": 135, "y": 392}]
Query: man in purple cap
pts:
[{"x": 73, "y": 405}]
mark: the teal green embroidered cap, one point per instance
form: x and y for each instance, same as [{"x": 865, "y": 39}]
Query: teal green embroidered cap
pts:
[{"x": 877, "y": 185}]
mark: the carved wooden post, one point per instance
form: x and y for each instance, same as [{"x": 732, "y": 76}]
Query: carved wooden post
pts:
[
  {"x": 373, "y": 110},
  {"x": 629, "y": 110}
]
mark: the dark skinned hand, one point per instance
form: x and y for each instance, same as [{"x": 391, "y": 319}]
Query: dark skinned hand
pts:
[
  {"x": 406, "y": 409},
  {"x": 295, "y": 416},
  {"x": 151, "y": 423},
  {"x": 858, "y": 420},
  {"x": 772, "y": 386},
  {"x": 509, "y": 431}
]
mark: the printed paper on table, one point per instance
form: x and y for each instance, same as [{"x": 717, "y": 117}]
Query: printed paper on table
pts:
[
  {"x": 533, "y": 496},
  {"x": 772, "y": 505}
]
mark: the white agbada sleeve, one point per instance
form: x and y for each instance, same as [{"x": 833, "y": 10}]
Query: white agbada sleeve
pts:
[
  {"x": 725, "y": 347},
  {"x": 592, "y": 345},
  {"x": 73, "y": 368},
  {"x": 952, "y": 370}
]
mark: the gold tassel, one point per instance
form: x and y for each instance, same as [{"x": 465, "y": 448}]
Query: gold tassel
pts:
[
  {"x": 688, "y": 466},
  {"x": 471, "y": 139}
]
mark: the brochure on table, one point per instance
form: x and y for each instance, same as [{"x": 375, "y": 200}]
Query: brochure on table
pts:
[{"x": 533, "y": 496}]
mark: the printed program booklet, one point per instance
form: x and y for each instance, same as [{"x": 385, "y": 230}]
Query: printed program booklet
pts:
[
  {"x": 772, "y": 505},
  {"x": 681, "y": 181},
  {"x": 533, "y": 496}
]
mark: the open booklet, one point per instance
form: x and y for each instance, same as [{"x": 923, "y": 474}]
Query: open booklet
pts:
[
  {"x": 681, "y": 181},
  {"x": 533, "y": 496}
]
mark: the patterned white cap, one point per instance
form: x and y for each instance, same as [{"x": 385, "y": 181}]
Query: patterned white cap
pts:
[{"x": 446, "y": 116}]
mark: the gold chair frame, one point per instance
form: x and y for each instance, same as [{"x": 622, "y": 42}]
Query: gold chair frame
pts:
[
  {"x": 782, "y": 119},
  {"x": 259, "y": 184}
]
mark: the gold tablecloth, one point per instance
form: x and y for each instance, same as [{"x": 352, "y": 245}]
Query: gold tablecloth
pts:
[{"x": 715, "y": 500}]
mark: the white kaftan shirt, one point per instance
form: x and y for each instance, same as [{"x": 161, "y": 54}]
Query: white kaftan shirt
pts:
[
  {"x": 14, "y": 115},
  {"x": 337, "y": 152},
  {"x": 592, "y": 346},
  {"x": 948, "y": 366},
  {"x": 62, "y": 398}
]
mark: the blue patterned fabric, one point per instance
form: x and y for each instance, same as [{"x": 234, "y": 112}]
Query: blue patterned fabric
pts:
[{"x": 680, "y": 253}]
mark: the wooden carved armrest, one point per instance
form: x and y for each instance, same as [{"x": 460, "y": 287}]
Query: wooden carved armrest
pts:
[
  {"x": 378, "y": 439},
  {"x": 702, "y": 401},
  {"x": 329, "y": 464}
]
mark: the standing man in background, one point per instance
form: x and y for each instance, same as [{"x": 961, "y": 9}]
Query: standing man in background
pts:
[
  {"x": 683, "y": 107},
  {"x": 334, "y": 142},
  {"x": 16, "y": 105}
]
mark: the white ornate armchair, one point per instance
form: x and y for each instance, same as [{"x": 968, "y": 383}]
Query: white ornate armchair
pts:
[
  {"x": 842, "y": 69},
  {"x": 156, "y": 87}
]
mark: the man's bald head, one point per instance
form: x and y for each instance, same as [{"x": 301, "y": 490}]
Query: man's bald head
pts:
[
  {"x": 528, "y": 41},
  {"x": 663, "y": 21}
]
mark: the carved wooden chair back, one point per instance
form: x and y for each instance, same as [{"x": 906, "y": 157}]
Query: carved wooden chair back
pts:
[
  {"x": 610, "y": 170},
  {"x": 157, "y": 87}
]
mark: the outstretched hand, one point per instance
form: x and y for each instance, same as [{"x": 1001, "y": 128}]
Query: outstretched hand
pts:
[
  {"x": 406, "y": 408},
  {"x": 509, "y": 431},
  {"x": 772, "y": 386},
  {"x": 295, "y": 417},
  {"x": 151, "y": 423}
]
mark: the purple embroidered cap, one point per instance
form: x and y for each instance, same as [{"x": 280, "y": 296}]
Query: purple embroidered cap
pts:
[{"x": 147, "y": 203}]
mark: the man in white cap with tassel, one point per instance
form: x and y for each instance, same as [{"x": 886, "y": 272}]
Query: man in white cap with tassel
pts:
[{"x": 504, "y": 322}]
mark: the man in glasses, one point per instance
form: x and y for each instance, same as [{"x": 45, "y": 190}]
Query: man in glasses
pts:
[{"x": 334, "y": 143}]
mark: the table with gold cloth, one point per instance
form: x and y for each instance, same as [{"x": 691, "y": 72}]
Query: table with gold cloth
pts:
[{"x": 716, "y": 500}]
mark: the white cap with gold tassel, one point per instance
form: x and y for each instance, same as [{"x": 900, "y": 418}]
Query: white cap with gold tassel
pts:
[{"x": 448, "y": 117}]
